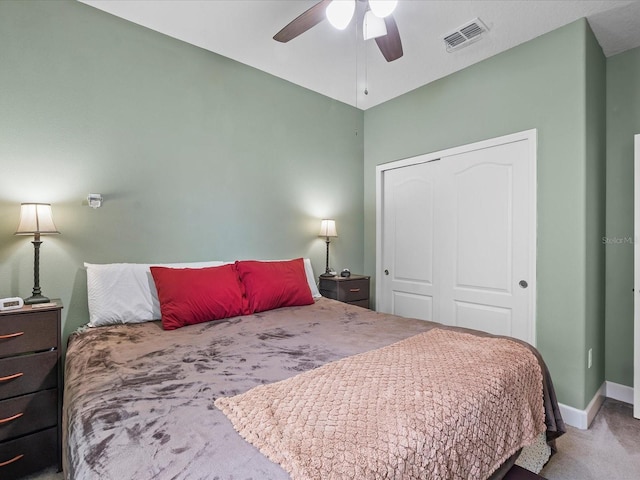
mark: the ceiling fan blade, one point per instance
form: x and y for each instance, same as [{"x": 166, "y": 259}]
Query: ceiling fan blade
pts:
[
  {"x": 304, "y": 22},
  {"x": 390, "y": 44}
]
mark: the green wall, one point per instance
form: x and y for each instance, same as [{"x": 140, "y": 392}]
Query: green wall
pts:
[
  {"x": 198, "y": 157},
  {"x": 540, "y": 84},
  {"x": 623, "y": 122}
]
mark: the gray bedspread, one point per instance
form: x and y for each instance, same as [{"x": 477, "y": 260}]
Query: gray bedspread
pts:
[{"x": 139, "y": 401}]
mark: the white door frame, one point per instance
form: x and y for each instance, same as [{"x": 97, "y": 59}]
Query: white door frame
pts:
[
  {"x": 636, "y": 280},
  {"x": 532, "y": 137}
]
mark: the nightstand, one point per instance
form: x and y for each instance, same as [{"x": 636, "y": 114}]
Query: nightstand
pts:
[
  {"x": 353, "y": 290},
  {"x": 30, "y": 390}
]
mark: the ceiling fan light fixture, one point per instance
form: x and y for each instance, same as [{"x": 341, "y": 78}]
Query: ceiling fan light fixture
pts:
[
  {"x": 373, "y": 26},
  {"x": 382, "y": 8},
  {"x": 340, "y": 13}
]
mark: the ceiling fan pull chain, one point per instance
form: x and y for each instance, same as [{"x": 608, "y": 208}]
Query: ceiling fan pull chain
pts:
[{"x": 366, "y": 70}]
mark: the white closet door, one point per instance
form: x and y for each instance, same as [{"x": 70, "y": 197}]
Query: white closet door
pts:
[
  {"x": 456, "y": 237},
  {"x": 484, "y": 247},
  {"x": 410, "y": 194}
]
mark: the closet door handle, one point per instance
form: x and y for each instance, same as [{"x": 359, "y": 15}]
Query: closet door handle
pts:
[
  {"x": 523, "y": 284},
  {"x": 386, "y": 272}
]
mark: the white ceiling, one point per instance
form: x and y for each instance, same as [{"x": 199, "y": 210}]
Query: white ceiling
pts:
[{"x": 324, "y": 59}]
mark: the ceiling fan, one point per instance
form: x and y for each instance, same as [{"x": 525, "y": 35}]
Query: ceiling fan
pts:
[{"x": 378, "y": 23}]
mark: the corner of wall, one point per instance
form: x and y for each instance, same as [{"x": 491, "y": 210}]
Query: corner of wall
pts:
[{"x": 595, "y": 212}]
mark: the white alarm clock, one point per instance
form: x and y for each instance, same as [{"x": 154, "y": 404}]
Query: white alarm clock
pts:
[{"x": 11, "y": 303}]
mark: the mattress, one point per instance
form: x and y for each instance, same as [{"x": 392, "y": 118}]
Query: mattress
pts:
[{"x": 139, "y": 400}]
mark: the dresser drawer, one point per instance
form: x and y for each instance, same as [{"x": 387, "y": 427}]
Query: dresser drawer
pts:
[
  {"x": 28, "y": 332},
  {"x": 28, "y": 373},
  {"x": 28, "y": 454},
  {"x": 28, "y": 413}
]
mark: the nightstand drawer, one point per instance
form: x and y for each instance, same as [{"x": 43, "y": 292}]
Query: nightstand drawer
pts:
[
  {"x": 28, "y": 454},
  {"x": 28, "y": 413},
  {"x": 345, "y": 290},
  {"x": 353, "y": 290},
  {"x": 28, "y": 373},
  {"x": 28, "y": 332}
]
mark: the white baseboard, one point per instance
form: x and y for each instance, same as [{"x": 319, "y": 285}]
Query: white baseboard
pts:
[
  {"x": 574, "y": 417},
  {"x": 619, "y": 392},
  {"x": 582, "y": 418}
]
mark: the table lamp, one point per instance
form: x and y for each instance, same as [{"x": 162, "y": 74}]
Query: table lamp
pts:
[
  {"x": 328, "y": 230},
  {"x": 36, "y": 219}
]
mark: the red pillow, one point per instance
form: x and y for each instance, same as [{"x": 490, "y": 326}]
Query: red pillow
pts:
[
  {"x": 270, "y": 285},
  {"x": 195, "y": 295}
]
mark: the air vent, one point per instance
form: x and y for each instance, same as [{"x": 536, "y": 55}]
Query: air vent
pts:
[{"x": 465, "y": 35}]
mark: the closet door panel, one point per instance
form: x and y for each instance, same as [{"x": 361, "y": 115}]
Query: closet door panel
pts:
[
  {"x": 483, "y": 204},
  {"x": 409, "y": 202},
  {"x": 484, "y": 251}
]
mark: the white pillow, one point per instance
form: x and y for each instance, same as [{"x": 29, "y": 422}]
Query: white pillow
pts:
[
  {"x": 126, "y": 292},
  {"x": 311, "y": 279}
]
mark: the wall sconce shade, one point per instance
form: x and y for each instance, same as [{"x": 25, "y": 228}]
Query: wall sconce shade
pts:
[
  {"x": 36, "y": 219},
  {"x": 328, "y": 228},
  {"x": 94, "y": 200}
]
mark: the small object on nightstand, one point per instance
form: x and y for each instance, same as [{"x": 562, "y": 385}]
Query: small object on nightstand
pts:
[
  {"x": 353, "y": 290},
  {"x": 345, "y": 273},
  {"x": 38, "y": 306},
  {"x": 11, "y": 303},
  {"x": 30, "y": 389}
]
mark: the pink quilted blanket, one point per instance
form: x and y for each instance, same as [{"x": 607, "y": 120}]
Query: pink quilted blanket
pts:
[{"x": 439, "y": 405}]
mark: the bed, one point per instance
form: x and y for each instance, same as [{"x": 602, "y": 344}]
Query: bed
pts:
[{"x": 144, "y": 402}]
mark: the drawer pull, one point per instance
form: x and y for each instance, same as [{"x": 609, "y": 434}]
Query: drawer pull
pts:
[
  {"x": 13, "y": 460},
  {"x": 11, "y": 335},
  {"x": 354, "y": 290},
  {"x": 11, "y": 377},
  {"x": 10, "y": 419}
]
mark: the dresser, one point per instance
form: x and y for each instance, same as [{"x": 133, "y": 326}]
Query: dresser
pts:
[
  {"x": 30, "y": 390},
  {"x": 353, "y": 290}
]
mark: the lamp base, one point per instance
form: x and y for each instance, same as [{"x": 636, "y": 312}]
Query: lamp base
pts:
[
  {"x": 325, "y": 275},
  {"x": 36, "y": 299}
]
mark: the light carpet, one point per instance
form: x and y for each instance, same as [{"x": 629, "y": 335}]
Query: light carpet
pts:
[{"x": 609, "y": 450}]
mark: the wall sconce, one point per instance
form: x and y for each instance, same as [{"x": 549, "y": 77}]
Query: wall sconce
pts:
[
  {"x": 327, "y": 230},
  {"x": 94, "y": 200},
  {"x": 36, "y": 219}
]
